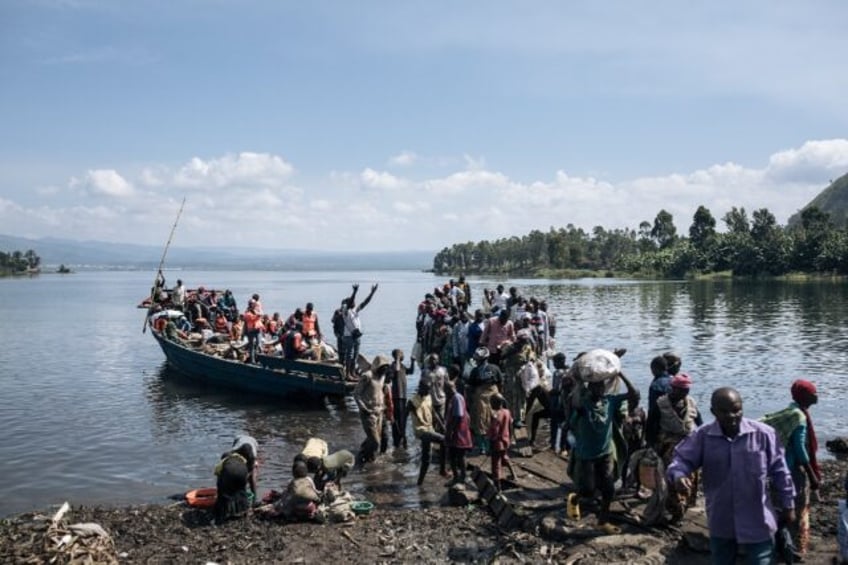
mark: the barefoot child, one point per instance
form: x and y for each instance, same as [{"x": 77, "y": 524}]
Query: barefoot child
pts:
[{"x": 499, "y": 428}]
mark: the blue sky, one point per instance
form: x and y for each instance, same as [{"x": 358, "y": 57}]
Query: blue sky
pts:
[{"x": 390, "y": 126}]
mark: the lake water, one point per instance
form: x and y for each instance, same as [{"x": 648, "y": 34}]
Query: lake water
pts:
[{"x": 92, "y": 415}]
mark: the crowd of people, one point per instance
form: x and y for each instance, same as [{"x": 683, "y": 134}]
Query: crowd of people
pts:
[
  {"x": 486, "y": 373},
  {"x": 206, "y": 317}
]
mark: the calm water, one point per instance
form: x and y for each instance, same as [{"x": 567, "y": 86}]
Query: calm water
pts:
[{"x": 92, "y": 415}]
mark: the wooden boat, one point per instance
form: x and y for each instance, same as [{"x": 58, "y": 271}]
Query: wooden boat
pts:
[{"x": 298, "y": 380}]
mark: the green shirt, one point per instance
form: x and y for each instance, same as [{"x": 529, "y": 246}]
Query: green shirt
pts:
[{"x": 592, "y": 424}]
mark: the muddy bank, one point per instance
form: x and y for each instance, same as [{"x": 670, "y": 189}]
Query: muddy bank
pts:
[{"x": 174, "y": 533}]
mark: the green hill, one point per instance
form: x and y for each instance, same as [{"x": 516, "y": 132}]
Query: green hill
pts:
[{"x": 833, "y": 200}]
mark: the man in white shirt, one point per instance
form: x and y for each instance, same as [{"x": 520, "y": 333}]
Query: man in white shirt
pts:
[{"x": 353, "y": 327}]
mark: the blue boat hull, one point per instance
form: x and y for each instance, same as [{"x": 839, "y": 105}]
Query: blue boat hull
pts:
[{"x": 295, "y": 380}]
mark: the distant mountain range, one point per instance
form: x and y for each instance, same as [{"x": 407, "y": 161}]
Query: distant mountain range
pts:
[
  {"x": 104, "y": 255},
  {"x": 833, "y": 200}
]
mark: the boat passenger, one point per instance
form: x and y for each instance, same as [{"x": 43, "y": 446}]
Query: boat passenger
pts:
[
  {"x": 660, "y": 386},
  {"x": 593, "y": 461},
  {"x": 256, "y": 303},
  {"x": 678, "y": 417},
  {"x": 388, "y": 417},
  {"x": 237, "y": 329},
  {"x": 178, "y": 295},
  {"x": 499, "y": 439},
  {"x": 397, "y": 375},
  {"x": 221, "y": 324},
  {"x": 296, "y": 317},
  {"x": 370, "y": 400},
  {"x": 311, "y": 329},
  {"x": 741, "y": 460},
  {"x": 796, "y": 433},
  {"x": 252, "y": 326},
  {"x": 175, "y": 334},
  {"x": 158, "y": 291},
  {"x": 294, "y": 346},
  {"x": 227, "y": 305},
  {"x": 483, "y": 382},
  {"x": 457, "y": 432},
  {"x": 437, "y": 375},
  {"x": 338, "y": 329},
  {"x": 273, "y": 325},
  {"x": 498, "y": 333},
  {"x": 353, "y": 326},
  {"x": 420, "y": 407}
]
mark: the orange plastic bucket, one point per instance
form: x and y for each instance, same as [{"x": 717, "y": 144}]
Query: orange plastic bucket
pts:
[{"x": 202, "y": 497}]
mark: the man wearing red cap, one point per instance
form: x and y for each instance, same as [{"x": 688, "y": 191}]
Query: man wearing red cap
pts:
[{"x": 795, "y": 430}]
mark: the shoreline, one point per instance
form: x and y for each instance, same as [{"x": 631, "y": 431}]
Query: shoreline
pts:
[{"x": 175, "y": 533}]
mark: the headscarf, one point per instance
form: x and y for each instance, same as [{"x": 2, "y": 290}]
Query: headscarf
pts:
[
  {"x": 799, "y": 387},
  {"x": 681, "y": 380}
]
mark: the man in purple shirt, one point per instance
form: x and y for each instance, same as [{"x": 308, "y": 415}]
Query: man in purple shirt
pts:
[{"x": 739, "y": 457}]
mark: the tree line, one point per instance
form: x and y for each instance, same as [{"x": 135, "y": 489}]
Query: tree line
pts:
[
  {"x": 750, "y": 246},
  {"x": 18, "y": 262}
]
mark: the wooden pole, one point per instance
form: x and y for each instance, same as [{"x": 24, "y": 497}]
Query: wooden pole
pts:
[{"x": 162, "y": 262}]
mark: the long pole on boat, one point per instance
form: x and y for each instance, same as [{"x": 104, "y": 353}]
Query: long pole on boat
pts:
[{"x": 162, "y": 262}]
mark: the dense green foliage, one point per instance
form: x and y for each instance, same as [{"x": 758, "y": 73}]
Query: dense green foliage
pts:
[
  {"x": 756, "y": 247},
  {"x": 18, "y": 262}
]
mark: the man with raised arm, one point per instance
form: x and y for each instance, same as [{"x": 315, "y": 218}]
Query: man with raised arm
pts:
[{"x": 353, "y": 327}]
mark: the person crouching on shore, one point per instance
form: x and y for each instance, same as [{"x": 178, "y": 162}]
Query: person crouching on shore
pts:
[{"x": 236, "y": 480}]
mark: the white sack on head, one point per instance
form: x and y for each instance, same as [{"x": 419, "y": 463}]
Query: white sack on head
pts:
[{"x": 598, "y": 365}]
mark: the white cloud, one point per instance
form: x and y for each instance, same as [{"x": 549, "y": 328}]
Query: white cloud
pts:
[
  {"x": 814, "y": 161},
  {"x": 404, "y": 159},
  {"x": 245, "y": 169},
  {"x": 411, "y": 207},
  {"x": 249, "y": 199},
  {"x": 381, "y": 181},
  {"x": 107, "y": 182}
]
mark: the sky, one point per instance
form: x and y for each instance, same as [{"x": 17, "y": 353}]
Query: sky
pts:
[{"x": 391, "y": 126}]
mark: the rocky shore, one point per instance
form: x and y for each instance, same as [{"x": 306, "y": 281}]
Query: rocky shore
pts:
[{"x": 175, "y": 533}]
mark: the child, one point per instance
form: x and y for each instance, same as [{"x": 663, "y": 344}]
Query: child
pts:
[
  {"x": 300, "y": 499},
  {"x": 499, "y": 429}
]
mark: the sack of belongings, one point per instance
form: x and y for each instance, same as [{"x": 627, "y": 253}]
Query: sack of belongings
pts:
[{"x": 597, "y": 365}]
